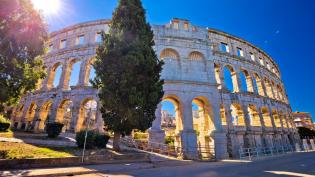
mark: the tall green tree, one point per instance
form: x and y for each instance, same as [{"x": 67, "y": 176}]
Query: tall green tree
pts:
[
  {"x": 128, "y": 72},
  {"x": 22, "y": 37}
]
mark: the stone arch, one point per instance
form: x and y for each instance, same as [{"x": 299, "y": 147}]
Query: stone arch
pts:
[
  {"x": 230, "y": 78},
  {"x": 266, "y": 116},
  {"x": 72, "y": 74},
  {"x": 87, "y": 114},
  {"x": 276, "y": 118},
  {"x": 19, "y": 113},
  {"x": 195, "y": 55},
  {"x": 283, "y": 119},
  {"x": 52, "y": 75},
  {"x": 64, "y": 114},
  {"x": 169, "y": 53},
  {"x": 30, "y": 115},
  {"x": 275, "y": 90},
  {"x": 254, "y": 115},
  {"x": 268, "y": 88},
  {"x": 238, "y": 117},
  {"x": 89, "y": 71},
  {"x": 259, "y": 83},
  {"x": 178, "y": 121},
  {"x": 44, "y": 114},
  {"x": 204, "y": 124},
  {"x": 247, "y": 85}
]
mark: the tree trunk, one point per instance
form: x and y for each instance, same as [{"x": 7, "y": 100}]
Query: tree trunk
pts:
[{"x": 116, "y": 141}]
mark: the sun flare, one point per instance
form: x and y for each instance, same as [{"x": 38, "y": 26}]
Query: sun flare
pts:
[{"x": 47, "y": 7}]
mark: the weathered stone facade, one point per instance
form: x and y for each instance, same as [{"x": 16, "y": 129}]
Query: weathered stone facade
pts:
[{"x": 195, "y": 59}]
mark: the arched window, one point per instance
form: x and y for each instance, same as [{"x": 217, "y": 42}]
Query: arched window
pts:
[
  {"x": 195, "y": 56},
  {"x": 230, "y": 79},
  {"x": 246, "y": 81},
  {"x": 75, "y": 71},
  {"x": 237, "y": 115},
  {"x": 243, "y": 81},
  {"x": 266, "y": 116},
  {"x": 57, "y": 75},
  {"x": 259, "y": 84},
  {"x": 91, "y": 75},
  {"x": 169, "y": 54},
  {"x": 254, "y": 116},
  {"x": 268, "y": 88},
  {"x": 255, "y": 87}
]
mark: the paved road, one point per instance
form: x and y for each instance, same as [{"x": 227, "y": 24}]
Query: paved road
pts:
[{"x": 301, "y": 164}]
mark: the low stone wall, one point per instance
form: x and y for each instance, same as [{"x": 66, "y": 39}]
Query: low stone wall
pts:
[{"x": 73, "y": 161}]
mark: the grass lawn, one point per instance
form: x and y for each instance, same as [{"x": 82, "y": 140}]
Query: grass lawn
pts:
[
  {"x": 8, "y": 134},
  {"x": 22, "y": 151}
]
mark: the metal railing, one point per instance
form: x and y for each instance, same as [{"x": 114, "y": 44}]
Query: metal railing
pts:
[
  {"x": 258, "y": 152},
  {"x": 202, "y": 152}
]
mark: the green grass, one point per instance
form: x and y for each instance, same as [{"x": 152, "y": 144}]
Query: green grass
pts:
[
  {"x": 8, "y": 134},
  {"x": 22, "y": 151}
]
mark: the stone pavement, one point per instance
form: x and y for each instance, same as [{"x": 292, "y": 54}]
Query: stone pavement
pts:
[
  {"x": 67, "y": 171},
  {"x": 297, "y": 164}
]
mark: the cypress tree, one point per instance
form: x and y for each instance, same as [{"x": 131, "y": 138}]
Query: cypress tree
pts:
[{"x": 128, "y": 72}]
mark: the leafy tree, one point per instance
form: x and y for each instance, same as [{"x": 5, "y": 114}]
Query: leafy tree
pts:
[
  {"x": 22, "y": 37},
  {"x": 128, "y": 72}
]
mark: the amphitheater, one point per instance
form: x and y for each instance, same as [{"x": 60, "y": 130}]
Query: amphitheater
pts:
[{"x": 241, "y": 100}]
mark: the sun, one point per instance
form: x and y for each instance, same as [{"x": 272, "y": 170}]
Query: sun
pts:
[{"x": 47, "y": 7}]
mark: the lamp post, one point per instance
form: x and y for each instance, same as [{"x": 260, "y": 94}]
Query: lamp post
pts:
[{"x": 86, "y": 133}]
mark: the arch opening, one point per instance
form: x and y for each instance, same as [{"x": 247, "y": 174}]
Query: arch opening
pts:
[
  {"x": 266, "y": 116},
  {"x": 237, "y": 113},
  {"x": 171, "y": 120},
  {"x": 203, "y": 125}
]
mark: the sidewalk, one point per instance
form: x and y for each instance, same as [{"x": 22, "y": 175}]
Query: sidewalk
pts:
[{"x": 68, "y": 171}]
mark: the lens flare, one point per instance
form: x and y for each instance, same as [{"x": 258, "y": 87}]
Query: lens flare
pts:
[{"x": 47, "y": 7}]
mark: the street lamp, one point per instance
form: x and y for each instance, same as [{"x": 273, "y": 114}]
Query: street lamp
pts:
[{"x": 86, "y": 132}]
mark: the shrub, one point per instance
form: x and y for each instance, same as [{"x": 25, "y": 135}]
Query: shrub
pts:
[
  {"x": 101, "y": 141},
  {"x": 4, "y": 124},
  {"x": 169, "y": 140},
  {"x": 93, "y": 139},
  {"x": 80, "y": 136},
  {"x": 140, "y": 136},
  {"x": 54, "y": 129},
  {"x": 3, "y": 154}
]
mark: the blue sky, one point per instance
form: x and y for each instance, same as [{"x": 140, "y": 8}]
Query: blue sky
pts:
[{"x": 283, "y": 28}]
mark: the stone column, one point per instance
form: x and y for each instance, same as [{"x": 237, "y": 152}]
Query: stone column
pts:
[
  {"x": 249, "y": 140},
  {"x": 45, "y": 82},
  {"x": 219, "y": 135},
  {"x": 272, "y": 118},
  {"x": 188, "y": 135},
  {"x": 24, "y": 115},
  {"x": 223, "y": 85},
  {"x": 312, "y": 144},
  {"x": 156, "y": 134},
  {"x": 74, "y": 117},
  {"x": 239, "y": 81},
  {"x": 263, "y": 84},
  {"x": 99, "y": 119},
  {"x": 65, "y": 77},
  {"x": 37, "y": 119},
  {"x": 53, "y": 112},
  {"x": 254, "y": 86},
  {"x": 232, "y": 143},
  {"x": 228, "y": 116},
  {"x": 83, "y": 75},
  {"x": 305, "y": 145}
]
